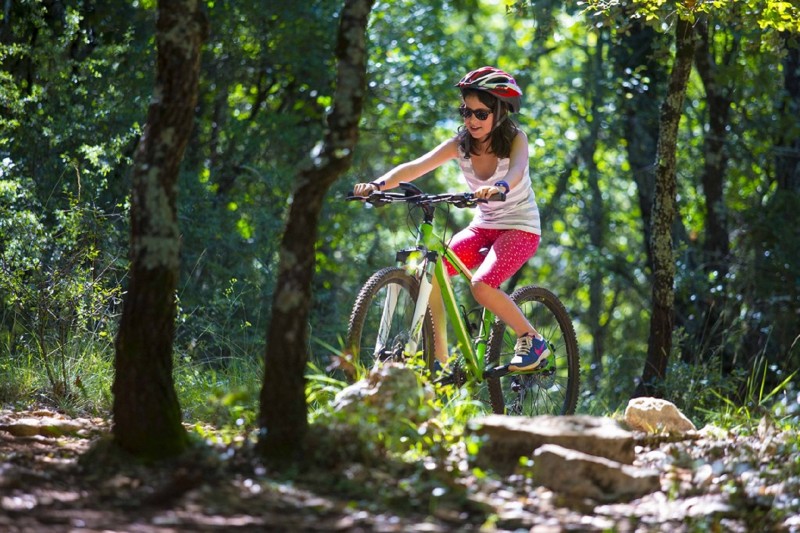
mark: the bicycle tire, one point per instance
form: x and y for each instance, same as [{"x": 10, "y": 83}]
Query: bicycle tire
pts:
[
  {"x": 534, "y": 394},
  {"x": 367, "y": 315}
]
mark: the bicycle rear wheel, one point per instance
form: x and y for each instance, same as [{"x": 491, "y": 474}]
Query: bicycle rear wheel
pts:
[
  {"x": 553, "y": 392},
  {"x": 381, "y": 320}
]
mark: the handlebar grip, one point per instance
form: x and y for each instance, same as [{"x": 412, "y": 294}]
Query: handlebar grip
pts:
[{"x": 499, "y": 197}]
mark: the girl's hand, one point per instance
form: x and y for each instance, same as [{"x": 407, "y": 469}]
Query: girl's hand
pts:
[
  {"x": 487, "y": 191},
  {"x": 365, "y": 189}
]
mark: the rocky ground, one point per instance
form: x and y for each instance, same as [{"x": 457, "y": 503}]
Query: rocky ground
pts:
[{"x": 54, "y": 477}]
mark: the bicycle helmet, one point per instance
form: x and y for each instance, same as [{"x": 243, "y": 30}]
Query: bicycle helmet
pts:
[{"x": 496, "y": 82}]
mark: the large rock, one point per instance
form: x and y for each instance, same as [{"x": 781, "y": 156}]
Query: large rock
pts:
[
  {"x": 580, "y": 475},
  {"x": 654, "y": 415},
  {"x": 507, "y": 438},
  {"x": 391, "y": 391},
  {"x": 48, "y": 426}
]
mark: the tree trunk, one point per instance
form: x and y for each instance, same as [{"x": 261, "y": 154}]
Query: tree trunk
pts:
[
  {"x": 147, "y": 419},
  {"x": 283, "y": 416},
  {"x": 664, "y": 213}
]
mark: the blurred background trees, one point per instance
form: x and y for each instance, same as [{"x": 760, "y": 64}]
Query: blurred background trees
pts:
[{"x": 76, "y": 79}]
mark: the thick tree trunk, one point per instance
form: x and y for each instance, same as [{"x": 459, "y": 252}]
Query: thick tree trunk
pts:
[
  {"x": 664, "y": 213},
  {"x": 283, "y": 416},
  {"x": 147, "y": 419}
]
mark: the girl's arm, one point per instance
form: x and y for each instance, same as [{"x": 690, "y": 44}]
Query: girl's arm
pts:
[
  {"x": 408, "y": 172},
  {"x": 519, "y": 159}
]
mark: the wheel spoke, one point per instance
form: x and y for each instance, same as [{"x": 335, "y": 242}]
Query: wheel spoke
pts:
[{"x": 549, "y": 391}]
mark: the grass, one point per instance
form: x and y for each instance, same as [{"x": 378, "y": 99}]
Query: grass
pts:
[
  {"x": 778, "y": 403},
  {"x": 76, "y": 378},
  {"x": 225, "y": 395}
]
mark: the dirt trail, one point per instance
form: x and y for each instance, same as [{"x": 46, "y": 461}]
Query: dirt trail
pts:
[{"x": 49, "y": 481}]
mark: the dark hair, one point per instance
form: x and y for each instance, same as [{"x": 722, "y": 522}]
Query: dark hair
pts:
[{"x": 503, "y": 132}]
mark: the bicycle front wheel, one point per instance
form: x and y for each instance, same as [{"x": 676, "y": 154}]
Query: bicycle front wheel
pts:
[
  {"x": 381, "y": 320},
  {"x": 550, "y": 392}
]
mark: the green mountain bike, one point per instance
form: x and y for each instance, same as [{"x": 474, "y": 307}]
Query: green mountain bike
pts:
[{"x": 391, "y": 320}]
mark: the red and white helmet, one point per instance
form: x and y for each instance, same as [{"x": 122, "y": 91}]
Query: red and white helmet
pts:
[{"x": 494, "y": 81}]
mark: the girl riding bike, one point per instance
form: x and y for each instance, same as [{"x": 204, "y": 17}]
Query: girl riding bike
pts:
[{"x": 493, "y": 155}]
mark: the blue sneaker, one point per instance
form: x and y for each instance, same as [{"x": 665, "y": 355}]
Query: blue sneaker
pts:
[{"x": 530, "y": 353}]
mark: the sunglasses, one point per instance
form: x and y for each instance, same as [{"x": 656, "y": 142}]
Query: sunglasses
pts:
[{"x": 480, "y": 114}]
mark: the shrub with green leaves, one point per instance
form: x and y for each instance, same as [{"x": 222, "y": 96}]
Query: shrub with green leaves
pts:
[{"x": 58, "y": 297}]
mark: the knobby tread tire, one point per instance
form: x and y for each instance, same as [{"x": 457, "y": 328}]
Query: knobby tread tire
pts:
[
  {"x": 364, "y": 304},
  {"x": 568, "y": 344}
]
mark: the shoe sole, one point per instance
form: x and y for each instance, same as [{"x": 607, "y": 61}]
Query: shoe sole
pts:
[{"x": 528, "y": 369}]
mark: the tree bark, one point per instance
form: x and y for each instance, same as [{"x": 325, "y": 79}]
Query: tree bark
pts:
[
  {"x": 147, "y": 419},
  {"x": 664, "y": 213},
  {"x": 283, "y": 415}
]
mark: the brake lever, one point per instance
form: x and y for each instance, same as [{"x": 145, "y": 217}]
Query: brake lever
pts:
[
  {"x": 469, "y": 199},
  {"x": 466, "y": 200},
  {"x": 377, "y": 199}
]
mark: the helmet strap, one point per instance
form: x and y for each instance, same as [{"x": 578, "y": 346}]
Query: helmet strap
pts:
[
  {"x": 497, "y": 124},
  {"x": 498, "y": 106}
]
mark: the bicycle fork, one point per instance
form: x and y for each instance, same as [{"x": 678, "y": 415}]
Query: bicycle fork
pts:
[
  {"x": 416, "y": 262},
  {"x": 420, "y": 310}
]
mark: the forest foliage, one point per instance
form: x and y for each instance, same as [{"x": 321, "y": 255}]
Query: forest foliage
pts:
[{"x": 76, "y": 80}]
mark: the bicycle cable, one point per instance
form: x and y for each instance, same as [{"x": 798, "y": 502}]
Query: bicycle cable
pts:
[
  {"x": 445, "y": 242},
  {"x": 413, "y": 227}
]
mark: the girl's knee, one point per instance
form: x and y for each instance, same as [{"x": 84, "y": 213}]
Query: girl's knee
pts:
[{"x": 480, "y": 290}]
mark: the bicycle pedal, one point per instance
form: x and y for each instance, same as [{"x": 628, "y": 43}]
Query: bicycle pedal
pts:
[
  {"x": 497, "y": 372},
  {"x": 546, "y": 369}
]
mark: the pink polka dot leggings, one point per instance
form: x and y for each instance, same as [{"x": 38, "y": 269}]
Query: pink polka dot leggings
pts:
[{"x": 509, "y": 249}]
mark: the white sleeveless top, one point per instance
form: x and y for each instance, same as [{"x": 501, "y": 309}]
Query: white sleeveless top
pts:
[{"x": 519, "y": 211}]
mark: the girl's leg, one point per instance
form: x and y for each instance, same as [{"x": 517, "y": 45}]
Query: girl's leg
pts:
[
  {"x": 500, "y": 303},
  {"x": 510, "y": 250},
  {"x": 508, "y": 253}
]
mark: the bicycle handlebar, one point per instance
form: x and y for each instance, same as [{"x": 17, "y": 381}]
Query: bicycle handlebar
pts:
[{"x": 413, "y": 195}]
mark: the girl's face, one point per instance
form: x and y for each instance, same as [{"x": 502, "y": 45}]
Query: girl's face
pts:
[{"x": 477, "y": 128}]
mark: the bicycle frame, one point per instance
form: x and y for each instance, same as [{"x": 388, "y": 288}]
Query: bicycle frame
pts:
[
  {"x": 431, "y": 249},
  {"x": 391, "y": 315}
]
